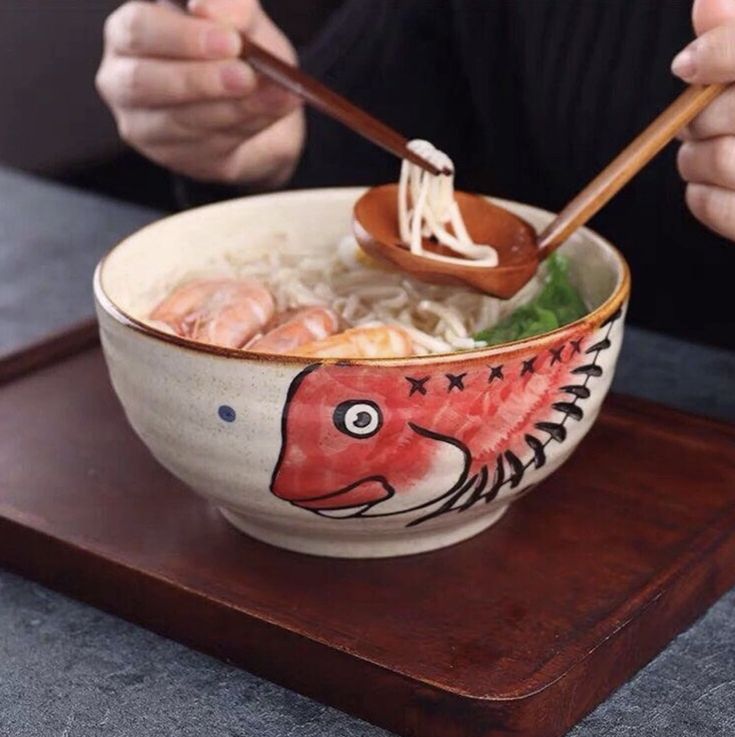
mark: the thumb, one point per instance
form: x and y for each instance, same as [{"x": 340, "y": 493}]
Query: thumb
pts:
[
  {"x": 707, "y": 14},
  {"x": 710, "y": 58}
]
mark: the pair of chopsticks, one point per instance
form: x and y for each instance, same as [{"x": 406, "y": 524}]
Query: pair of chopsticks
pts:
[{"x": 327, "y": 101}]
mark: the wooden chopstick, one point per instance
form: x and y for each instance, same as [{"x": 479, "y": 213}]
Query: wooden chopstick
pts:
[{"x": 327, "y": 101}]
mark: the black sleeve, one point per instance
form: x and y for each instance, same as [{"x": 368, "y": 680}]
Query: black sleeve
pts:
[{"x": 395, "y": 58}]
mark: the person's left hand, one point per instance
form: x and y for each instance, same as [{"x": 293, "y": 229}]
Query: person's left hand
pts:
[{"x": 707, "y": 157}]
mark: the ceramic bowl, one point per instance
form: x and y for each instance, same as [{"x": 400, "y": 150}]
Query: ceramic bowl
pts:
[{"x": 367, "y": 458}]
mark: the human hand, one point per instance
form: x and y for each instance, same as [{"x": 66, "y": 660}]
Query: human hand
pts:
[
  {"x": 707, "y": 157},
  {"x": 181, "y": 96}
]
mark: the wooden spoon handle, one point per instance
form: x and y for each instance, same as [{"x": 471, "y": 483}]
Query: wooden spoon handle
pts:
[{"x": 625, "y": 166}]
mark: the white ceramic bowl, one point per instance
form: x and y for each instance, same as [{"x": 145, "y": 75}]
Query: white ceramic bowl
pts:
[{"x": 451, "y": 440}]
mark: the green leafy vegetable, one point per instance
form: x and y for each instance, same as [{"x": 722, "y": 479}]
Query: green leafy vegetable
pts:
[{"x": 556, "y": 305}]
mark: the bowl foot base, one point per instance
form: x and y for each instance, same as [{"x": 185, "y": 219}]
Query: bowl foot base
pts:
[{"x": 356, "y": 545}]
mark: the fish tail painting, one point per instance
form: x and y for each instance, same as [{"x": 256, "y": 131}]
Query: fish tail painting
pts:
[{"x": 425, "y": 441}]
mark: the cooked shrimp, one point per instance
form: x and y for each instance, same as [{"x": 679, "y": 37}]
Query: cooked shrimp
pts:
[
  {"x": 381, "y": 341},
  {"x": 304, "y": 326},
  {"x": 176, "y": 309},
  {"x": 225, "y": 312}
]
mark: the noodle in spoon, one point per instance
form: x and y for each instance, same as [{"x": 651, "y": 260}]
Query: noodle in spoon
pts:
[{"x": 427, "y": 208}]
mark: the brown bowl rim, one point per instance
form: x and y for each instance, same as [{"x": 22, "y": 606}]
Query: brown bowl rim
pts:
[{"x": 594, "y": 319}]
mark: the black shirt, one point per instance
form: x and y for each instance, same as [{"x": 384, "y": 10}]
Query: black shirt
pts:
[{"x": 531, "y": 98}]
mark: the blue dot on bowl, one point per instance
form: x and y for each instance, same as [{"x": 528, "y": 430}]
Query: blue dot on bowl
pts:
[{"x": 226, "y": 413}]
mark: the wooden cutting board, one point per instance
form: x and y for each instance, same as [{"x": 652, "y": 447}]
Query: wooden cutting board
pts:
[{"x": 520, "y": 631}]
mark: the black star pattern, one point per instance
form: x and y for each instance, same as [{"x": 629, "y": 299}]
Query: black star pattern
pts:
[
  {"x": 483, "y": 487},
  {"x": 528, "y": 366},
  {"x": 496, "y": 372},
  {"x": 417, "y": 385},
  {"x": 456, "y": 382},
  {"x": 556, "y": 354}
]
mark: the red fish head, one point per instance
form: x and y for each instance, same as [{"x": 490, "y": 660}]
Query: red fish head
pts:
[
  {"x": 349, "y": 443},
  {"x": 373, "y": 441}
]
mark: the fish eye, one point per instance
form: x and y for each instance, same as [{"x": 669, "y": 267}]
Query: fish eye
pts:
[
  {"x": 359, "y": 418},
  {"x": 226, "y": 413}
]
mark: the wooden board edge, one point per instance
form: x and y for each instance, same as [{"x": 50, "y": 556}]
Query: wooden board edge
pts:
[
  {"x": 715, "y": 536},
  {"x": 685, "y": 598},
  {"x": 363, "y": 689},
  {"x": 48, "y": 350},
  {"x": 652, "y": 410},
  {"x": 330, "y": 676}
]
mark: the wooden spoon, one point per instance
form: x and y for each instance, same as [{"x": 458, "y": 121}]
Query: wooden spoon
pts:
[{"x": 520, "y": 248}]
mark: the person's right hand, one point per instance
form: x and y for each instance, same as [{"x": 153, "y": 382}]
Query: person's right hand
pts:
[{"x": 181, "y": 96}]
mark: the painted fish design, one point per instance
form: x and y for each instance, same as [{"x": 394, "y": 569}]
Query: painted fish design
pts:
[{"x": 357, "y": 442}]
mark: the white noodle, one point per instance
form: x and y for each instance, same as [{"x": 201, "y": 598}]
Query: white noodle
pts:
[
  {"x": 426, "y": 206},
  {"x": 439, "y": 319},
  {"x": 426, "y": 341},
  {"x": 446, "y": 315}
]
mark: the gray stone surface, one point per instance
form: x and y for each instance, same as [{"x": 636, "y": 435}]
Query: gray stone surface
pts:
[
  {"x": 68, "y": 670},
  {"x": 51, "y": 238},
  {"x": 689, "y": 377}
]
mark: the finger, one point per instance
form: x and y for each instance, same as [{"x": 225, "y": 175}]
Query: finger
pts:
[
  {"x": 227, "y": 158},
  {"x": 706, "y": 14},
  {"x": 708, "y": 162},
  {"x": 249, "y": 114},
  {"x": 188, "y": 124},
  {"x": 248, "y": 16},
  {"x": 206, "y": 163},
  {"x": 128, "y": 82},
  {"x": 145, "y": 29},
  {"x": 274, "y": 149},
  {"x": 709, "y": 59},
  {"x": 243, "y": 14},
  {"x": 718, "y": 119},
  {"x": 714, "y": 207}
]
